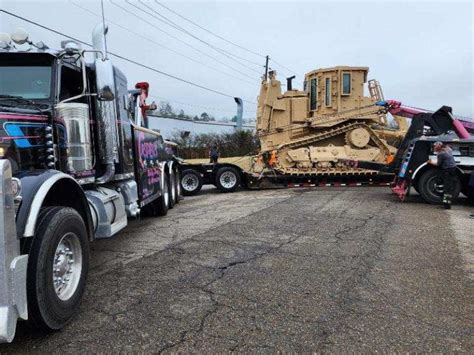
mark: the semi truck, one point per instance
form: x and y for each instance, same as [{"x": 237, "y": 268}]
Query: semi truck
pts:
[{"x": 77, "y": 159}]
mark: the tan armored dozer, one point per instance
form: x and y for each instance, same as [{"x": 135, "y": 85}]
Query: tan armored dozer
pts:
[{"x": 318, "y": 130}]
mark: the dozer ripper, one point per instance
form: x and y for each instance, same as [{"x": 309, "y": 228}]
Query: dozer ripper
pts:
[{"x": 309, "y": 135}]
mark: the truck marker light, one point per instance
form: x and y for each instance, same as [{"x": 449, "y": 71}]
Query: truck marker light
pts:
[{"x": 16, "y": 187}]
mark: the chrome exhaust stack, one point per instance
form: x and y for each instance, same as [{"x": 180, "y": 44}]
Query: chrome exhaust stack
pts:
[{"x": 107, "y": 127}]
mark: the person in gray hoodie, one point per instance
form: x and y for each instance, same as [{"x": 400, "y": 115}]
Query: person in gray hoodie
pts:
[{"x": 445, "y": 161}]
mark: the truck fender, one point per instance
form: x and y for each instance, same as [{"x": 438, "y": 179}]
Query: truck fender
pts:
[
  {"x": 49, "y": 188},
  {"x": 425, "y": 166},
  {"x": 413, "y": 177}
]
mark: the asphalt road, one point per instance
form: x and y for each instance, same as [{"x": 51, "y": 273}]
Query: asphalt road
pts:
[{"x": 324, "y": 270}]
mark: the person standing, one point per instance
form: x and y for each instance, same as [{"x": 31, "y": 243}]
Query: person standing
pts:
[
  {"x": 447, "y": 164},
  {"x": 213, "y": 154}
]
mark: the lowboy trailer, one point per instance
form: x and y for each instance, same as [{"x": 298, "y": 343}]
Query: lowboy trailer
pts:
[
  {"x": 76, "y": 160},
  {"x": 425, "y": 128}
]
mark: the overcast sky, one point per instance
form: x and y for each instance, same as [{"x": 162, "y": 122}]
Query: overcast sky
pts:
[{"x": 421, "y": 52}]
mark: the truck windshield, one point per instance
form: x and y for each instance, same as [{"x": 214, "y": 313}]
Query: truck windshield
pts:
[{"x": 29, "y": 82}]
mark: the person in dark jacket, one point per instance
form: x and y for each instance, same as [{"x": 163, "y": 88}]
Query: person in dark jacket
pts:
[
  {"x": 447, "y": 164},
  {"x": 213, "y": 154}
]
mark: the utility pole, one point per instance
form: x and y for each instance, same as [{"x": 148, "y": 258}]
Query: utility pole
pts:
[{"x": 267, "y": 58}]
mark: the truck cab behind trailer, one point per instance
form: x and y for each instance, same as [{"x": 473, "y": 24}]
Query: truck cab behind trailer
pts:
[
  {"x": 76, "y": 160},
  {"x": 410, "y": 163}
]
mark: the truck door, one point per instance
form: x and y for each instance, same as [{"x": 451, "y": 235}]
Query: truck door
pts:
[{"x": 149, "y": 159}]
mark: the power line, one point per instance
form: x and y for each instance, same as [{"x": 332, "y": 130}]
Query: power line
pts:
[
  {"x": 209, "y": 44},
  {"x": 180, "y": 40},
  {"x": 179, "y": 28},
  {"x": 162, "y": 45},
  {"x": 208, "y": 31},
  {"x": 194, "y": 105},
  {"x": 281, "y": 65},
  {"x": 125, "y": 59},
  {"x": 220, "y": 37}
]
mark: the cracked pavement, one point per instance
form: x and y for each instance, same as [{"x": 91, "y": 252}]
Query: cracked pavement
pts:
[{"x": 300, "y": 270}]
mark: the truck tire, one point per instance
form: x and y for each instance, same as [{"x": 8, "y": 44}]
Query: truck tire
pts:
[
  {"x": 172, "y": 190},
  {"x": 179, "y": 193},
  {"x": 227, "y": 179},
  {"x": 430, "y": 185},
  {"x": 191, "y": 182},
  {"x": 58, "y": 264},
  {"x": 161, "y": 205}
]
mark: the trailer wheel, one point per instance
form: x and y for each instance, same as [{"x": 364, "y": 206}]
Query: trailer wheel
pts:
[
  {"x": 430, "y": 185},
  {"x": 191, "y": 182},
  {"x": 58, "y": 263},
  {"x": 227, "y": 179},
  {"x": 172, "y": 190}
]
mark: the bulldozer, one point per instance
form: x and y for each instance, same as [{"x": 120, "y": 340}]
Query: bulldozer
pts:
[
  {"x": 311, "y": 135},
  {"x": 318, "y": 130}
]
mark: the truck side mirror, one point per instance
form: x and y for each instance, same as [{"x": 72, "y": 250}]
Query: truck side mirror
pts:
[{"x": 105, "y": 94}]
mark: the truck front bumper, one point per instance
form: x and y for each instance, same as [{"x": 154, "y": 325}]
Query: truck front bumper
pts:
[{"x": 13, "y": 302}]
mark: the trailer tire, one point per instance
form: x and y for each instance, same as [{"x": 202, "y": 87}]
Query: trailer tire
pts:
[
  {"x": 429, "y": 186},
  {"x": 227, "y": 179},
  {"x": 59, "y": 250},
  {"x": 191, "y": 182}
]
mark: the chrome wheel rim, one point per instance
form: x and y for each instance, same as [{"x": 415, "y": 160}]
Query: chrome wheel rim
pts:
[
  {"x": 228, "y": 179},
  {"x": 173, "y": 190},
  {"x": 436, "y": 186},
  {"x": 166, "y": 194},
  {"x": 67, "y": 266},
  {"x": 190, "y": 182}
]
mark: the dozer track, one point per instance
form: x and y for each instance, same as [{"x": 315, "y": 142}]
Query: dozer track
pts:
[{"x": 307, "y": 141}]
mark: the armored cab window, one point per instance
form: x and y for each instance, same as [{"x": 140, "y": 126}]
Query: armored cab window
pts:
[
  {"x": 71, "y": 83},
  {"x": 314, "y": 94},
  {"x": 327, "y": 99},
  {"x": 346, "y": 83}
]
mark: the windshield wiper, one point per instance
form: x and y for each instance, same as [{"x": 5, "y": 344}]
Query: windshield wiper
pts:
[
  {"x": 21, "y": 99},
  {"x": 17, "y": 98}
]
